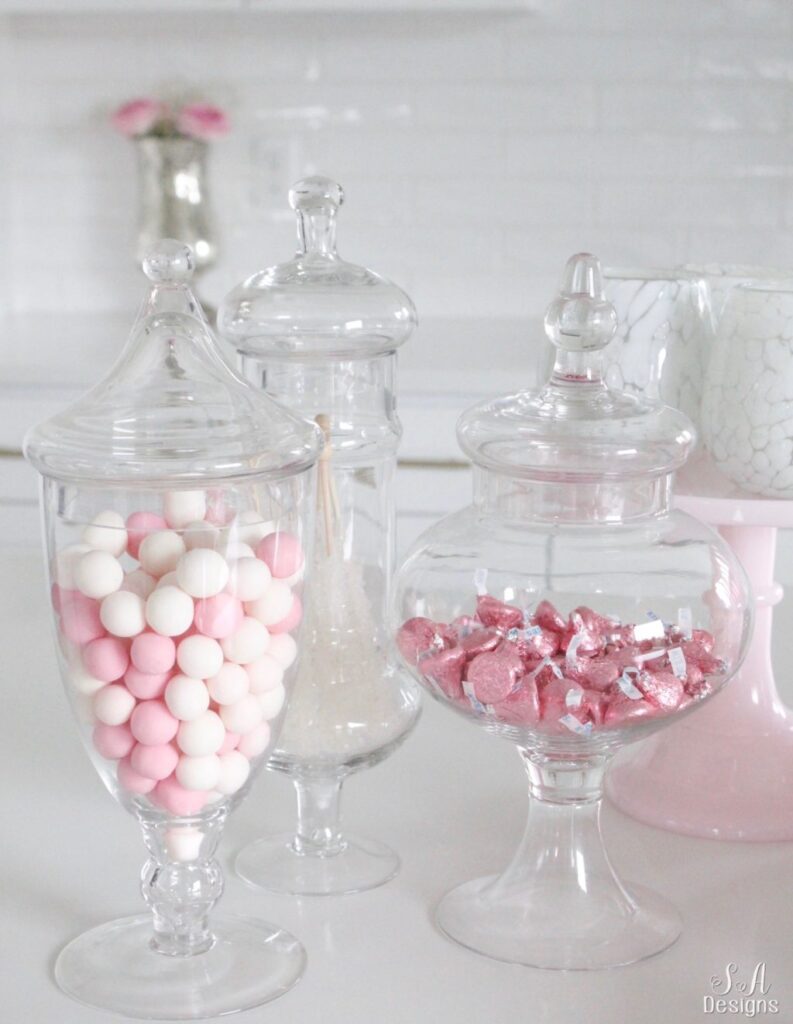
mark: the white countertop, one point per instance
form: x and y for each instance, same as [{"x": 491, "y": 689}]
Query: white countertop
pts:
[{"x": 452, "y": 801}]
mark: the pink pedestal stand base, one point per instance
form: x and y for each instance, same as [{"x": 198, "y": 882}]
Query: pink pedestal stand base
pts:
[{"x": 725, "y": 772}]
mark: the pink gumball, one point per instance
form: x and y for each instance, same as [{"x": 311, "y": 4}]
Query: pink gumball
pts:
[
  {"x": 153, "y": 653},
  {"x": 218, "y": 616},
  {"x": 291, "y": 620},
  {"x": 80, "y": 620},
  {"x": 145, "y": 685},
  {"x": 230, "y": 742},
  {"x": 282, "y": 554},
  {"x": 140, "y": 525},
  {"x": 153, "y": 724},
  {"x": 154, "y": 762},
  {"x": 113, "y": 741},
  {"x": 130, "y": 780},
  {"x": 173, "y": 797},
  {"x": 106, "y": 658}
]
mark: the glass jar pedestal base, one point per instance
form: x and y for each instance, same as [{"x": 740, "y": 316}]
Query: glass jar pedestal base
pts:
[
  {"x": 726, "y": 773},
  {"x": 116, "y": 967},
  {"x": 559, "y": 904},
  {"x": 317, "y": 859}
]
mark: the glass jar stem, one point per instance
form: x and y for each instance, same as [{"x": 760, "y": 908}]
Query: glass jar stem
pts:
[
  {"x": 181, "y": 881},
  {"x": 318, "y": 830}
]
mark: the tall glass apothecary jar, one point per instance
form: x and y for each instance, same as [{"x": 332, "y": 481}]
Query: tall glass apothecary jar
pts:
[
  {"x": 320, "y": 335},
  {"x": 169, "y": 492},
  {"x": 570, "y": 610}
]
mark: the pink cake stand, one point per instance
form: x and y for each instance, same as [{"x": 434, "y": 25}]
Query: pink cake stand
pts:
[{"x": 725, "y": 772}]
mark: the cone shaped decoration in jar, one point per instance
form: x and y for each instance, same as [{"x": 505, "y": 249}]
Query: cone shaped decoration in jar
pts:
[
  {"x": 320, "y": 335},
  {"x": 164, "y": 490},
  {"x": 570, "y": 610}
]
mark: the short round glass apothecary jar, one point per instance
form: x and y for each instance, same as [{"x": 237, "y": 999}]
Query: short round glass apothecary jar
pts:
[
  {"x": 172, "y": 492},
  {"x": 320, "y": 335},
  {"x": 569, "y": 610}
]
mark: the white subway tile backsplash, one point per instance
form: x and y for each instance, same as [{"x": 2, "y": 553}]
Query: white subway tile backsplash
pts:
[{"x": 478, "y": 150}]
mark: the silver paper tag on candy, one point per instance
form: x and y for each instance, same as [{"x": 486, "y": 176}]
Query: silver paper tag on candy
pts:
[
  {"x": 626, "y": 684},
  {"x": 579, "y": 728},
  {"x": 480, "y": 581},
  {"x": 685, "y": 622},
  {"x": 678, "y": 662},
  {"x": 653, "y": 629}
]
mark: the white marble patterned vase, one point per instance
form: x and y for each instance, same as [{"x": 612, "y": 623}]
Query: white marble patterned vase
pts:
[
  {"x": 664, "y": 334},
  {"x": 747, "y": 409}
]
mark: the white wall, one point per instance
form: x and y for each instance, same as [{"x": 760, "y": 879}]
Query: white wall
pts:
[{"x": 477, "y": 150}]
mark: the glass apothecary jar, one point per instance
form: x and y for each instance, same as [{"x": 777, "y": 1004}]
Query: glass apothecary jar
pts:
[
  {"x": 320, "y": 335},
  {"x": 171, "y": 493},
  {"x": 569, "y": 610}
]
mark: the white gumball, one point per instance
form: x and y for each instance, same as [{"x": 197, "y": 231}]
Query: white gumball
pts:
[
  {"x": 283, "y": 648},
  {"x": 201, "y": 535},
  {"x": 169, "y": 611},
  {"x": 271, "y": 702},
  {"x": 200, "y": 773},
  {"x": 251, "y": 527},
  {"x": 84, "y": 682},
  {"x": 123, "y": 614},
  {"x": 139, "y": 582},
  {"x": 183, "y": 844},
  {"x": 247, "y": 643},
  {"x": 186, "y": 698},
  {"x": 234, "y": 771},
  {"x": 66, "y": 562},
  {"x": 202, "y": 573},
  {"x": 255, "y": 742},
  {"x": 199, "y": 657},
  {"x": 243, "y": 716},
  {"x": 107, "y": 532},
  {"x": 98, "y": 573},
  {"x": 249, "y": 578},
  {"x": 170, "y": 579},
  {"x": 204, "y": 735},
  {"x": 266, "y": 673},
  {"x": 229, "y": 685},
  {"x": 273, "y": 605},
  {"x": 113, "y": 704},
  {"x": 159, "y": 552},
  {"x": 184, "y": 507}
]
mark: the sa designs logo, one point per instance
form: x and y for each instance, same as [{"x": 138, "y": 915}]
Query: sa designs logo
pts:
[{"x": 737, "y": 993}]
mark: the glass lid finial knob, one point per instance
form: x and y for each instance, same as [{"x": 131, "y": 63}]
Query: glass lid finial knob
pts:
[
  {"x": 580, "y": 318},
  {"x": 169, "y": 262},
  {"x": 316, "y": 193}
]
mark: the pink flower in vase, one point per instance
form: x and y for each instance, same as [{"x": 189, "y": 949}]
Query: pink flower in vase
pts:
[
  {"x": 138, "y": 116},
  {"x": 202, "y": 121}
]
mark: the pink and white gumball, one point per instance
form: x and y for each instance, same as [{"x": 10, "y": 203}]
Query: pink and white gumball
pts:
[
  {"x": 202, "y": 572},
  {"x": 140, "y": 525},
  {"x": 218, "y": 616},
  {"x": 186, "y": 698},
  {"x": 291, "y": 620},
  {"x": 84, "y": 683},
  {"x": 80, "y": 622},
  {"x": 266, "y": 673},
  {"x": 98, "y": 573},
  {"x": 160, "y": 552},
  {"x": 145, "y": 685},
  {"x": 234, "y": 769},
  {"x": 249, "y": 578},
  {"x": 113, "y": 741},
  {"x": 139, "y": 582},
  {"x": 171, "y": 795},
  {"x": 106, "y": 658},
  {"x": 229, "y": 685},
  {"x": 151, "y": 652},
  {"x": 202, "y": 773},
  {"x": 283, "y": 554},
  {"x": 273, "y": 606},
  {"x": 271, "y": 702},
  {"x": 133, "y": 781},
  {"x": 122, "y": 614},
  {"x": 283, "y": 648},
  {"x": 113, "y": 704},
  {"x": 201, "y": 736},
  {"x": 247, "y": 643},
  {"x": 243, "y": 716},
  {"x": 154, "y": 762},
  {"x": 152, "y": 724},
  {"x": 66, "y": 562},
  {"x": 184, "y": 507},
  {"x": 169, "y": 611},
  {"x": 199, "y": 657},
  {"x": 251, "y": 527},
  {"x": 107, "y": 532},
  {"x": 254, "y": 743}
]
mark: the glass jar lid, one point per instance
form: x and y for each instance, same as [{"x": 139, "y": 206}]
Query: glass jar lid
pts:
[
  {"x": 576, "y": 427},
  {"x": 171, "y": 408},
  {"x": 317, "y": 304}
]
